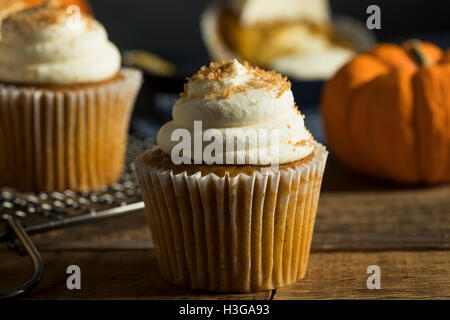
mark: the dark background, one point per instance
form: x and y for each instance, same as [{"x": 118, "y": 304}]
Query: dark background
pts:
[{"x": 171, "y": 27}]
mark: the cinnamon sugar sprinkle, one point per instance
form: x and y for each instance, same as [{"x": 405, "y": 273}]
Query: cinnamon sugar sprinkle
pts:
[
  {"x": 43, "y": 15},
  {"x": 302, "y": 143},
  {"x": 217, "y": 71}
]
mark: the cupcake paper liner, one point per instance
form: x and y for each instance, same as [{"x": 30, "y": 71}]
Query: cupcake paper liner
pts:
[
  {"x": 72, "y": 139},
  {"x": 233, "y": 234}
]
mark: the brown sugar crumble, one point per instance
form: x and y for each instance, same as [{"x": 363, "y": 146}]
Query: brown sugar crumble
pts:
[
  {"x": 217, "y": 71},
  {"x": 297, "y": 109},
  {"x": 214, "y": 72},
  {"x": 301, "y": 143},
  {"x": 44, "y": 15}
]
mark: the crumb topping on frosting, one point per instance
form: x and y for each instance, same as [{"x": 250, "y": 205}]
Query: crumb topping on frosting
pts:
[
  {"x": 43, "y": 15},
  {"x": 50, "y": 44},
  {"x": 219, "y": 71},
  {"x": 230, "y": 100}
]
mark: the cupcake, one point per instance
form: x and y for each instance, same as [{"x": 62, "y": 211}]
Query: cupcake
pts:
[
  {"x": 232, "y": 187},
  {"x": 8, "y": 7},
  {"x": 295, "y": 37},
  {"x": 65, "y": 102}
]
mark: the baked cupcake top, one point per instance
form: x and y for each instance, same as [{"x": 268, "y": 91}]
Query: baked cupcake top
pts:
[
  {"x": 247, "y": 115},
  {"x": 55, "y": 44}
]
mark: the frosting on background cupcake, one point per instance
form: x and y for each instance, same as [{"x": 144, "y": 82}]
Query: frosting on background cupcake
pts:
[
  {"x": 234, "y": 99},
  {"x": 263, "y": 11},
  {"x": 48, "y": 44}
]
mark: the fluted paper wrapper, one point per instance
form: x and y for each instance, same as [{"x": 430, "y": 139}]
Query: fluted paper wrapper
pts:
[
  {"x": 72, "y": 139},
  {"x": 233, "y": 234}
]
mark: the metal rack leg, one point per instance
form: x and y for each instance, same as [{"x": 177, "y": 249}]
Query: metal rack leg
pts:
[{"x": 30, "y": 248}]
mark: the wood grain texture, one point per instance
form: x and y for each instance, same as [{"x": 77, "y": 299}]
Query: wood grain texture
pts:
[
  {"x": 384, "y": 220},
  {"x": 117, "y": 274},
  {"x": 356, "y": 213},
  {"x": 127, "y": 232},
  {"x": 361, "y": 221},
  {"x": 363, "y": 214},
  {"x": 133, "y": 274},
  {"x": 404, "y": 275}
]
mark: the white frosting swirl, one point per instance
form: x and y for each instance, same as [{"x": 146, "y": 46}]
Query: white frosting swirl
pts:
[
  {"x": 243, "y": 100},
  {"x": 47, "y": 45},
  {"x": 262, "y": 11}
]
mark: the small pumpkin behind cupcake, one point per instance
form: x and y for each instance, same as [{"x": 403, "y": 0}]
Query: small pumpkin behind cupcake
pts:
[
  {"x": 65, "y": 102},
  {"x": 387, "y": 113}
]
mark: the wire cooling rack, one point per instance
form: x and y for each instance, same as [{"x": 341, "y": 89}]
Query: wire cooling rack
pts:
[{"x": 22, "y": 214}]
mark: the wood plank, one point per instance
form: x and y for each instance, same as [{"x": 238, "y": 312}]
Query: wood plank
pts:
[
  {"x": 131, "y": 274},
  {"x": 355, "y": 221},
  {"x": 361, "y": 213},
  {"x": 134, "y": 275},
  {"x": 126, "y": 232},
  {"x": 356, "y": 213},
  {"x": 360, "y": 222},
  {"x": 401, "y": 219},
  {"x": 404, "y": 275}
]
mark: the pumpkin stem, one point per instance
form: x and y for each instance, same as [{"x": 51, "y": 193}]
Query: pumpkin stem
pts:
[{"x": 414, "y": 49}]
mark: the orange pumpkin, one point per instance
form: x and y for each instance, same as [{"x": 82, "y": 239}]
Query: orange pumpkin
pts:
[
  {"x": 387, "y": 113},
  {"x": 83, "y": 4}
]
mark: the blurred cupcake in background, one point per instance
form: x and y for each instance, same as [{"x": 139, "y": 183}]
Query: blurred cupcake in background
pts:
[
  {"x": 65, "y": 102},
  {"x": 82, "y": 4},
  {"x": 294, "y": 37},
  {"x": 8, "y": 7}
]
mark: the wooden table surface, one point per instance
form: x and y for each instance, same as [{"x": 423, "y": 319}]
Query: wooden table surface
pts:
[{"x": 361, "y": 222}]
